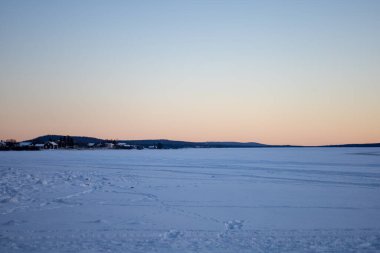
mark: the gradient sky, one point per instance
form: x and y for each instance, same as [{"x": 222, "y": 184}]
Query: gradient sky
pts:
[{"x": 276, "y": 72}]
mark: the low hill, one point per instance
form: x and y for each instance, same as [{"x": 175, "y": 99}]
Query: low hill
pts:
[
  {"x": 84, "y": 140},
  {"x": 77, "y": 139}
]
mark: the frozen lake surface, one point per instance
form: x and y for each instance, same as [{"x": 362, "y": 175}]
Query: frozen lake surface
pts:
[{"x": 191, "y": 200}]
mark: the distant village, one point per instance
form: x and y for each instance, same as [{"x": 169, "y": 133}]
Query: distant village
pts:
[{"x": 68, "y": 142}]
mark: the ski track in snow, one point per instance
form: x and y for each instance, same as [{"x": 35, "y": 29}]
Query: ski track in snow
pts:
[{"x": 191, "y": 200}]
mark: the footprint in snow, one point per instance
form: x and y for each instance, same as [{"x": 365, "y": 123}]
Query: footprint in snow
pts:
[
  {"x": 234, "y": 224},
  {"x": 231, "y": 227},
  {"x": 10, "y": 200},
  {"x": 99, "y": 221},
  {"x": 42, "y": 182},
  {"x": 171, "y": 234}
]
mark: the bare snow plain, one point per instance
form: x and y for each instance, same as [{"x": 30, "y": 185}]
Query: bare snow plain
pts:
[{"x": 191, "y": 200}]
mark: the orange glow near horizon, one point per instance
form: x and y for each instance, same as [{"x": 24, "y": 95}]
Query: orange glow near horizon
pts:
[{"x": 270, "y": 128}]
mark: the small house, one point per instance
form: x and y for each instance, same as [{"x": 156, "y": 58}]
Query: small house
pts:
[
  {"x": 39, "y": 145},
  {"x": 109, "y": 145},
  {"x": 123, "y": 145},
  {"x": 25, "y": 144},
  {"x": 50, "y": 145}
]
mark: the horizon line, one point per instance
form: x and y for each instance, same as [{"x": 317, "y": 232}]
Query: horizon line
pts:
[{"x": 246, "y": 142}]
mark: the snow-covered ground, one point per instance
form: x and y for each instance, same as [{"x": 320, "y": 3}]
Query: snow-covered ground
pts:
[{"x": 191, "y": 200}]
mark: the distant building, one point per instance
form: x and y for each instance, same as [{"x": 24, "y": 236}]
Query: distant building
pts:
[
  {"x": 50, "y": 145},
  {"x": 25, "y": 144},
  {"x": 122, "y": 145},
  {"x": 91, "y": 145},
  {"x": 109, "y": 145},
  {"x": 39, "y": 145}
]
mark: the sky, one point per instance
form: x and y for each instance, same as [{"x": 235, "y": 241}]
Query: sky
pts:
[{"x": 275, "y": 72}]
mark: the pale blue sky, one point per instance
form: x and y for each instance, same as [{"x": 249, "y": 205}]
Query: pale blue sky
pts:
[{"x": 297, "y": 72}]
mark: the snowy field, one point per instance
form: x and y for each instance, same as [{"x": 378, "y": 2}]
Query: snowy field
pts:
[{"x": 191, "y": 200}]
